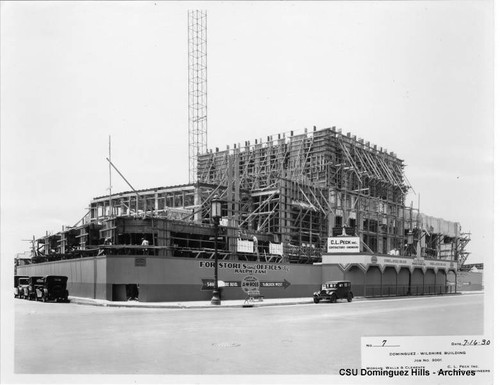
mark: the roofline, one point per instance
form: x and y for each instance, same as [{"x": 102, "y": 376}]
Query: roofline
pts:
[
  {"x": 157, "y": 189},
  {"x": 379, "y": 150}
]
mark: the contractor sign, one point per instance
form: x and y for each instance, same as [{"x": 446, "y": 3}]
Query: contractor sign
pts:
[{"x": 343, "y": 245}]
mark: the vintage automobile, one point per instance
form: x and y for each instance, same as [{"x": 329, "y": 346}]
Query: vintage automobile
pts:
[
  {"x": 334, "y": 290},
  {"x": 19, "y": 282},
  {"x": 29, "y": 291},
  {"x": 53, "y": 287}
]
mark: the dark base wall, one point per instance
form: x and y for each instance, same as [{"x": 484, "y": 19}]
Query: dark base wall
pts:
[
  {"x": 86, "y": 276},
  {"x": 159, "y": 293},
  {"x": 158, "y": 279}
]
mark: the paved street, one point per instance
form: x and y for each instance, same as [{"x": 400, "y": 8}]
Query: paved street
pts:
[{"x": 52, "y": 338}]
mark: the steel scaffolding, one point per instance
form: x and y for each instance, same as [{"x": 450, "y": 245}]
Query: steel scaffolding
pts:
[{"x": 197, "y": 88}]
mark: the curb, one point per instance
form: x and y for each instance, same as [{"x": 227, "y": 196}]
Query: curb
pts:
[
  {"x": 145, "y": 305},
  {"x": 197, "y": 305},
  {"x": 381, "y": 298}
]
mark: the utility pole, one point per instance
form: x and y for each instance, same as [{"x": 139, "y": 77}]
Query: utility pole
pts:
[{"x": 110, "y": 187}]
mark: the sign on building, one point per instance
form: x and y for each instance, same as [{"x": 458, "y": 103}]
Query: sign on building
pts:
[
  {"x": 276, "y": 248},
  {"x": 343, "y": 245},
  {"x": 243, "y": 246},
  {"x": 250, "y": 284}
]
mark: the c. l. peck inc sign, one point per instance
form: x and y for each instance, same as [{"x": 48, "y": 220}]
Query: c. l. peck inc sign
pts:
[{"x": 343, "y": 245}]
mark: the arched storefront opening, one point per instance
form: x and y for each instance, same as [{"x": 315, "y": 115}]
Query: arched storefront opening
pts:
[
  {"x": 441, "y": 282},
  {"x": 404, "y": 281},
  {"x": 357, "y": 278},
  {"x": 417, "y": 282},
  {"x": 373, "y": 282},
  {"x": 429, "y": 282},
  {"x": 389, "y": 281},
  {"x": 451, "y": 282}
]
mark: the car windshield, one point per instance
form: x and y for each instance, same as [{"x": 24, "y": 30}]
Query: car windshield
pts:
[{"x": 331, "y": 285}]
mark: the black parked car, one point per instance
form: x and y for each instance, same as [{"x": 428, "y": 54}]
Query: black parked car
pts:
[
  {"x": 53, "y": 287},
  {"x": 20, "y": 281},
  {"x": 334, "y": 290},
  {"x": 30, "y": 290}
]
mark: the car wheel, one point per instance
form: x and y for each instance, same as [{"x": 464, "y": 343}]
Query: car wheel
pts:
[
  {"x": 349, "y": 297},
  {"x": 316, "y": 300},
  {"x": 333, "y": 298}
]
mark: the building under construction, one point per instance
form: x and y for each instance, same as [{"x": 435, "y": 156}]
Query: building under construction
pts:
[
  {"x": 298, "y": 209},
  {"x": 284, "y": 197}
]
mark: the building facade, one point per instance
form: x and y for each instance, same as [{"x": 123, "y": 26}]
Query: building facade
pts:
[{"x": 283, "y": 199}]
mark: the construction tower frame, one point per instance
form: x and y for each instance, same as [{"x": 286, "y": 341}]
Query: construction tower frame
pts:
[{"x": 197, "y": 88}]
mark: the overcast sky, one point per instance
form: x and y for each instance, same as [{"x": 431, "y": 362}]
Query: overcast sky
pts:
[{"x": 413, "y": 77}]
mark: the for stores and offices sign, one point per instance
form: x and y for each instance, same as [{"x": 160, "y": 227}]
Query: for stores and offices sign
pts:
[
  {"x": 245, "y": 267},
  {"x": 343, "y": 245}
]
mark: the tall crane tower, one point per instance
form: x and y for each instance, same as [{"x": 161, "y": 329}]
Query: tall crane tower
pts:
[{"x": 197, "y": 88}]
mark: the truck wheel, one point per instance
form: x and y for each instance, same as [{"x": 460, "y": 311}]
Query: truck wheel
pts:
[
  {"x": 316, "y": 300},
  {"x": 349, "y": 297},
  {"x": 333, "y": 298}
]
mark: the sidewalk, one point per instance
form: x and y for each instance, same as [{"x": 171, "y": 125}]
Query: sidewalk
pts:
[
  {"x": 190, "y": 304},
  {"x": 233, "y": 302}
]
